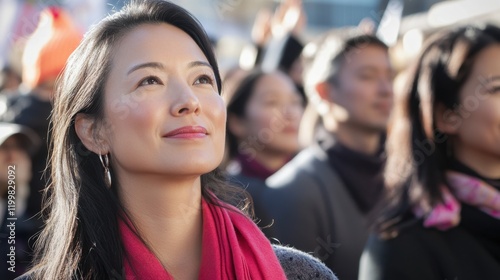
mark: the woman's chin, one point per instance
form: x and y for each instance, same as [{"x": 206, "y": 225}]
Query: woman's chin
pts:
[{"x": 191, "y": 168}]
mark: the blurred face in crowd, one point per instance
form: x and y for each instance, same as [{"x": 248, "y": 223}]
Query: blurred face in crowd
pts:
[
  {"x": 13, "y": 154},
  {"x": 272, "y": 115},
  {"x": 163, "y": 113},
  {"x": 477, "y": 135},
  {"x": 362, "y": 90}
]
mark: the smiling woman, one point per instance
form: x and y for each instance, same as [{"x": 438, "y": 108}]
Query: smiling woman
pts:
[
  {"x": 441, "y": 217},
  {"x": 138, "y": 133}
]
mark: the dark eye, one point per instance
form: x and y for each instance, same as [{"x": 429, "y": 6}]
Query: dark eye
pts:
[
  {"x": 271, "y": 103},
  {"x": 204, "y": 79},
  {"x": 367, "y": 77},
  {"x": 495, "y": 89},
  {"x": 151, "y": 80}
]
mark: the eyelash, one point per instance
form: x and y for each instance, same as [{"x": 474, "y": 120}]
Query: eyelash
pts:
[
  {"x": 495, "y": 89},
  {"x": 210, "y": 79},
  {"x": 158, "y": 81}
]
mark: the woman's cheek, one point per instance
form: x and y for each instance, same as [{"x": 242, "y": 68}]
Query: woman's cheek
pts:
[
  {"x": 217, "y": 109},
  {"x": 488, "y": 113}
]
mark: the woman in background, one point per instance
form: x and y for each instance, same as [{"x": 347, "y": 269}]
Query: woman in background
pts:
[
  {"x": 264, "y": 113},
  {"x": 138, "y": 131},
  {"x": 442, "y": 216}
]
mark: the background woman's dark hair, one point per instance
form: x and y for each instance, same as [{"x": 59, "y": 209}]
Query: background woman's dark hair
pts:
[
  {"x": 418, "y": 154},
  {"x": 81, "y": 236},
  {"x": 237, "y": 104}
]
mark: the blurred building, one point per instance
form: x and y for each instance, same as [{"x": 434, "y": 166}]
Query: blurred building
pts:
[
  {"x": 230, "y": 21},
  {"x": 322, "y": 14}
]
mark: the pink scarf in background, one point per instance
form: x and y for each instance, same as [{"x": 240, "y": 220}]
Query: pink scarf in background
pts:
[
  {"x": 466, "y": 189},
  {"x": 233, "y": 248}
]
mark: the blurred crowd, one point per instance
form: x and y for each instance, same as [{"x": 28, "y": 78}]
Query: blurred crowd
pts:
[{"x": 367, "y": 164}]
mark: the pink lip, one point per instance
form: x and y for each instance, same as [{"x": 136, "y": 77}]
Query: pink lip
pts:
[
  {"x": 187, "y": 132},
  {"x": 290, "y": 129}
]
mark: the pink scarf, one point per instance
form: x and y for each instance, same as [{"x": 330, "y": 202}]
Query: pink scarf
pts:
[
  {"x": 467, "y": 189},
  {"x": 233, "y": 248}
]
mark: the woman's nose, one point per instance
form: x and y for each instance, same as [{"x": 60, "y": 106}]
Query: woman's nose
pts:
[
  {"x": 185, "y": 100},
  {"x": 292, "y": 111},
  {"x": 386, "y": 87}
]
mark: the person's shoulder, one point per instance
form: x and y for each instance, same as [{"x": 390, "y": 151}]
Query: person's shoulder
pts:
[
  {"x": 302, "y": 167},
  {"x": 243, "y": 181},
  {"x": 405, "y": 233},
  {"x": 300, "y": 265},
  {"x": 390, "y": 253}
]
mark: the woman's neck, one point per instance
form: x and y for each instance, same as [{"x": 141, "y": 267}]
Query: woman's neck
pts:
[
  {"x": 485, "y": 164},
  {"x": 168, "y": 217}
]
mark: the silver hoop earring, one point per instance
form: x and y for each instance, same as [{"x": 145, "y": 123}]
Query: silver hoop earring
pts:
[{"x": 107, "y": 174}]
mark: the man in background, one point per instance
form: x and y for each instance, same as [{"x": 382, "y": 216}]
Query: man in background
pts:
[{"x": 320, "y": 201}]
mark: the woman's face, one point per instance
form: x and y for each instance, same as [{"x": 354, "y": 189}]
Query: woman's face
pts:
[
  {"x": 273, "y": 114},
  {"x": 163, "y": 113},
  {"x": 478, "y": 132}
]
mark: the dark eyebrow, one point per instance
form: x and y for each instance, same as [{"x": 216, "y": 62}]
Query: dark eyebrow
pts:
[
  {"x": 156, "y": 65},
  {"x": 199, "y": 63},
  {"x": 372, "y": 68}
]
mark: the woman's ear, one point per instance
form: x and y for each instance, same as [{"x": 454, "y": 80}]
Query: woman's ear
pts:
[
  {"x": 86, "y": 129},
  {"x": 236, "y": 126},
  {"x": 447, "y": 120}
]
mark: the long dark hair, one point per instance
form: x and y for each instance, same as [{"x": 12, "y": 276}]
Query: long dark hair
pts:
[
  {"x": 237, "y": 104},
  {"x": 418, "y": 153},
  {"x": 81, "y": 236}
]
